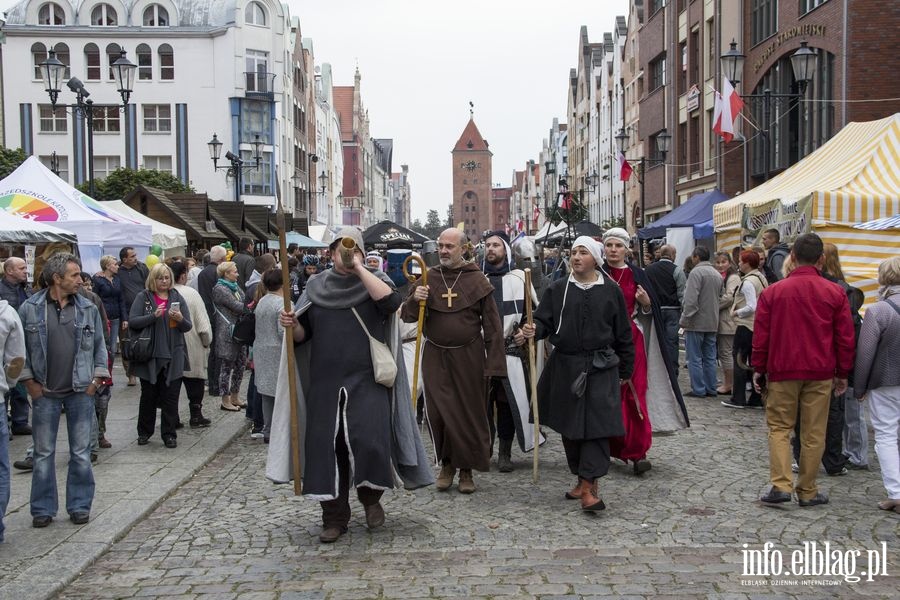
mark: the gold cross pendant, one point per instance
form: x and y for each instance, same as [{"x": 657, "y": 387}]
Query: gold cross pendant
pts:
[{"x": 449, "y": 296}]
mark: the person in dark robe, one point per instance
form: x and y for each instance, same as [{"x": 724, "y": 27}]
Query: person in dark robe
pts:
[
  {"x": 652, "y": 400},
  {"x": 348, "y": 431},
  {"x": 464, "y": 347},
  {"x": 585, "y": 317}
]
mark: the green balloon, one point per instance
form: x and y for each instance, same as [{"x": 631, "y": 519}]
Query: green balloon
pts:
[{"x": 155, "y": 249}]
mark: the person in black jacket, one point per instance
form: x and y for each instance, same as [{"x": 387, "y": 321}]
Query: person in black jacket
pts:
[
  {"x": 245, "y": 261},
  {"x": 133, "y": 276}
]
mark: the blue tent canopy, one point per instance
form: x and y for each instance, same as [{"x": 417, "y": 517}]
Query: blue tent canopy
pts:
[{"x": 697, "y": 211}]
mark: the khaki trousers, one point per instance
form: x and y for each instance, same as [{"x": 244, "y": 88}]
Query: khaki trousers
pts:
[{"x": 783, "y": 400}]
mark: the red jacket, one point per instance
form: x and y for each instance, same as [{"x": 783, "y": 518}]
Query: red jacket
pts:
[{"x": 803, "y": 329}]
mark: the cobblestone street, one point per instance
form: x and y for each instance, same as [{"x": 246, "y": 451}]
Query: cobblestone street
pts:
[{"x": 676, "y": 531}]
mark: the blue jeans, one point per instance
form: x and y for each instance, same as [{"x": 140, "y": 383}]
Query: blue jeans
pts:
[
  {"x": 80, "y": 480},
  {"x": 18, "y": 406},
  {"x": 4, "y": 468},
  {"x": 701, "y": 351},
  {"x": 670, "y": 318}
]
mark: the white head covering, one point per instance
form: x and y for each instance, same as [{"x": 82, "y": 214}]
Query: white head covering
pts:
[
  {"x": 592, "y": 245},
  {"x": 618, "y": 233}
]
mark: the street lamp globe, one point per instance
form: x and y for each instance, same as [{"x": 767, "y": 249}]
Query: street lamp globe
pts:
[
  {"x": 123, "y": 71},
  {"x": 620, "y": 139},
  {"x": 52, "y": 72},
  {"x": 215, "y": 148},
  {"x": 733, "y": 64},
  {"x": 803, "y": 63},
  {"x": 257, "y": 148},
  {"x": 323, "y": 180},
  {"x": 662, "y": 142}
]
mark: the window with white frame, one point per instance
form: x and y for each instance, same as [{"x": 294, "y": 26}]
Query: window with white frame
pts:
[
  {"x": 158, "y": 163},
  {"x": 156, "y": 16},
  {"x": 157, "y": 118},
  {"x": 113, "y": 52},
  {"x": 257, "y": 63},
  {"x": 62, "y": 55},
  {"x": 52, "y": 121},
  {"x": 38, "y": 55},
  {"x": 255, "y": 14},
  {"x": 62, "y": 165},
  {"x": 104, "y": 15},
  {"x": 808, "y": 5},
  {"x": 144, "y": 62},
  {"x": 257, "y": 182},
  {"x": 92, "y": 61},
  {"x": 106, "y": 119},
  {"x": 51, "y": 14},
  {"x": 166, "y": 62},
  {"x": 104, "y": 165}
]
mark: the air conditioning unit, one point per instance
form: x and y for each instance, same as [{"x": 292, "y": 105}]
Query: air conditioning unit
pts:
[{"x": 210, "y": 226}]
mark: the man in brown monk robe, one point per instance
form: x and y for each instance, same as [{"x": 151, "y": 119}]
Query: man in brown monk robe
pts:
[{"x": 464, "y": 347}]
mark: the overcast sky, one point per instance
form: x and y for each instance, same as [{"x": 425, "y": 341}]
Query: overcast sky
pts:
[{"x": 422, "y": 61}]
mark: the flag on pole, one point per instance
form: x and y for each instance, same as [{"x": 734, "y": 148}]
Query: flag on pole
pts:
[
  {"x": 625, "y": 169},
  {"x": 728, "y": 106}
]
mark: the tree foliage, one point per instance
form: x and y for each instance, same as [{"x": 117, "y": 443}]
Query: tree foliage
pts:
[
  {"x": 10, "y": 160},
  {"x": 121, "y": 182},
  {"x": 613, "y": 222}
]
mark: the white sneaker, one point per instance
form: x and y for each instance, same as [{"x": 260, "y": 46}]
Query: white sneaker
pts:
[{"x": 257, "y": 435}]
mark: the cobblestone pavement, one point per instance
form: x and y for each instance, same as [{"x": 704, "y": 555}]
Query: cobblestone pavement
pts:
[{"x": 677, "y": 531}]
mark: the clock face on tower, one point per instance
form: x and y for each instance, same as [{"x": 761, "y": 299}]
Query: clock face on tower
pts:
[{"x": 470, "y": 165}]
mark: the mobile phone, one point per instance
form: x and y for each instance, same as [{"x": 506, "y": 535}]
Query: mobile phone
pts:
[{"x": 175, "y": 306}]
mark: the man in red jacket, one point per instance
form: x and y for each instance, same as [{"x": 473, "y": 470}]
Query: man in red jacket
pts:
[{"x": 803, "y": 343}]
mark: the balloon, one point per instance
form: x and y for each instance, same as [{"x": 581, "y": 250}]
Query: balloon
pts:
[
  {"x": 156, "y": 250},
  {"x": 151, "y": 260}
]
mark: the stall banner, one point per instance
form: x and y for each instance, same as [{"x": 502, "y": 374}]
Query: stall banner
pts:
[
  {"x": 791, "y": 218},
  {"x": 29, "y": 262}
]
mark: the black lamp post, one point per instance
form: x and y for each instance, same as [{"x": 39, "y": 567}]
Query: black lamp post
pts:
[
  {"x": 54, "y": 163},
  {"x": 803, "y": 64},
  {"x": 323, "y": 184},
  {"x": 53, "y": 71},
  {"x": 235, "y": 164},
  {"x": 662, "y": 146},
  {"x": 310, "y": 187}
]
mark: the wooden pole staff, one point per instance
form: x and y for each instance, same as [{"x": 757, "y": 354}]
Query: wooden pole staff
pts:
[
  {"x": 419, "y": 325},
  {"x": 289, "y": 347},
  {"x": 532, "y": 367}
]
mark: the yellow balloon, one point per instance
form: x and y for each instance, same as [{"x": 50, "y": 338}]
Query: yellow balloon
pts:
[{"x": 151, "y": 260}]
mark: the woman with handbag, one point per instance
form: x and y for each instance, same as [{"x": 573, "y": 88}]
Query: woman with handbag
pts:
[
  {"x": 228, "y": 305},
  {"x": 586, "y": 319},
  {"x": 161, "y": 308}
]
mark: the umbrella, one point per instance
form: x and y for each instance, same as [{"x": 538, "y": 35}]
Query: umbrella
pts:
[{"x": 387, "y": 234}]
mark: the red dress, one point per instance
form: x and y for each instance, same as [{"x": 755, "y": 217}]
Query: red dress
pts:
[{"x": 638, "y": 434}]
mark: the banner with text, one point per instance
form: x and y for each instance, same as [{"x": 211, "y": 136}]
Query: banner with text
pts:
[{"x": 791, "y": 218}]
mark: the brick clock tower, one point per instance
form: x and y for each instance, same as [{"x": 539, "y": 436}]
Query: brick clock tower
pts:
[{"x": 472, "y": 183}]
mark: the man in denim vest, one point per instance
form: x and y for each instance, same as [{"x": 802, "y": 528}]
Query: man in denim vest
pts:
[{"x": 65, "y": 361}]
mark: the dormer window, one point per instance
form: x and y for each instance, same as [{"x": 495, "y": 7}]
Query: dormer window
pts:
[
  {"x": 104, "y": 15},
  {"x": 156, "y": 16},
  {"x": 255, "y": 14},
  {"x": 51, "y": 14}
]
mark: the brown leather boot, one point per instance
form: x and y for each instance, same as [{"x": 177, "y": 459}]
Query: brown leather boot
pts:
[
  {"x": 504, "y": 457},
  {"x": 576, "y": 492},
  {"x": 590, "y": 501},
  {"x": 445, "y": 478},
  {"x": 466, "y": 483}
]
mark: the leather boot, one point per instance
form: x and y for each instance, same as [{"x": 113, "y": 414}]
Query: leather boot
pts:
[
  {"x": 331, "y": 533},
  {"x": 504, "y": 459},
  {"x": 576, "y": 492},
  {"x": 590, "y": 501},
  {"x": 197, "y": 418},
  {"x": 466, "y": 483},
  {"x": 228, "y": 405},
  {"x": 445, "y": 478}
]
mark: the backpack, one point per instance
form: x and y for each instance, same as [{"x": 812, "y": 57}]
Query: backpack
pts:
[{"x": 244, "y": 329}]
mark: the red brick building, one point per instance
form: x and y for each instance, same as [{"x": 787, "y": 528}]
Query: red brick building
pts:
[
  {"x": 471, "y": 168},
  {"x": 500, "y": 198}
]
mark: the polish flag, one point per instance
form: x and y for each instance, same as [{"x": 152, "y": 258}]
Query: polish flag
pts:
[
  {"x": 728, "y": 106},
  {"x": 520, "y": 225},
  {"x": 625, "y": 169}
]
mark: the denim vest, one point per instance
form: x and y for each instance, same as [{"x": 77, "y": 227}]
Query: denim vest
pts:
[{"x": 90, "y": 347}]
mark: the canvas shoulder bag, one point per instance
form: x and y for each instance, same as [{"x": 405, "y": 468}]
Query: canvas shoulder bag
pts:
[{"x": 382, "y": 360}]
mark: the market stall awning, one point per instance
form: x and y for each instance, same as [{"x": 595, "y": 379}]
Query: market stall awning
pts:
[
  {"x": 302, "y": 241},
  {"x": 694, "y": 212},
  {"x": 880, "y": 224},
  {"x": 16, "y": 230},
  {"x": 387, "y": 234},
  {"x": 853, "y": 177},
  {"x": 166, "y": 236}
]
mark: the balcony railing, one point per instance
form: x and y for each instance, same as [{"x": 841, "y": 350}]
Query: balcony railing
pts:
[{"x": 260, "y": 84}]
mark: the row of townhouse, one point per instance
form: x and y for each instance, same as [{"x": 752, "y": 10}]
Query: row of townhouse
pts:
[{"x": 239, "y": 70}]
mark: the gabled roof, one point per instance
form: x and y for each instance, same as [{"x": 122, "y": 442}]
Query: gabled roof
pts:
[
  {"x": 343, "y": 106},
  {"x": 179, "y": 213},
  {"x": 256, "y": 221},
  {"x": 471, "y": 140},
  {"x": 227, "y": 216}
]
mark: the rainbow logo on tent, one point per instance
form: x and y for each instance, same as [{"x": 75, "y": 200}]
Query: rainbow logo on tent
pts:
[
  {"x": 28, "y": 207},
  {"x": 94, "y": 206}
]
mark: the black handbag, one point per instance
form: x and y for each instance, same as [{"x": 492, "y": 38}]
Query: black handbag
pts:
[
  {"x": 244, "y": 329},
  {"x": 139, "y": 347}
]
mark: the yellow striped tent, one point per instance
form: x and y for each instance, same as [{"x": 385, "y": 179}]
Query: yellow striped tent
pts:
[{"x": 854, "y": 177}]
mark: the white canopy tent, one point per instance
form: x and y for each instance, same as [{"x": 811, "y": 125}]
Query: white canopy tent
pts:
[
  {"x": 16, "y": 230},
  {"x": 33, "y": 192},
  {"x": 172, "y": 240}
]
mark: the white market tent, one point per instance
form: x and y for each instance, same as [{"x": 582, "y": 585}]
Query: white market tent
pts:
[
  {"x": 548, "y": 230},
  {"x": 32, "y": 191},
  {"x": 16, "y": 230},
  {"x": 853, "y": 177},
  {"x": 172, "y": 240}
]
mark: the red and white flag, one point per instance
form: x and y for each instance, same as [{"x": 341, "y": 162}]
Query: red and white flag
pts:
[
  {"x": 728, "y": 106},
  {"x": 520, "y": 225},
  {"x": 625, "y": 169}
]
